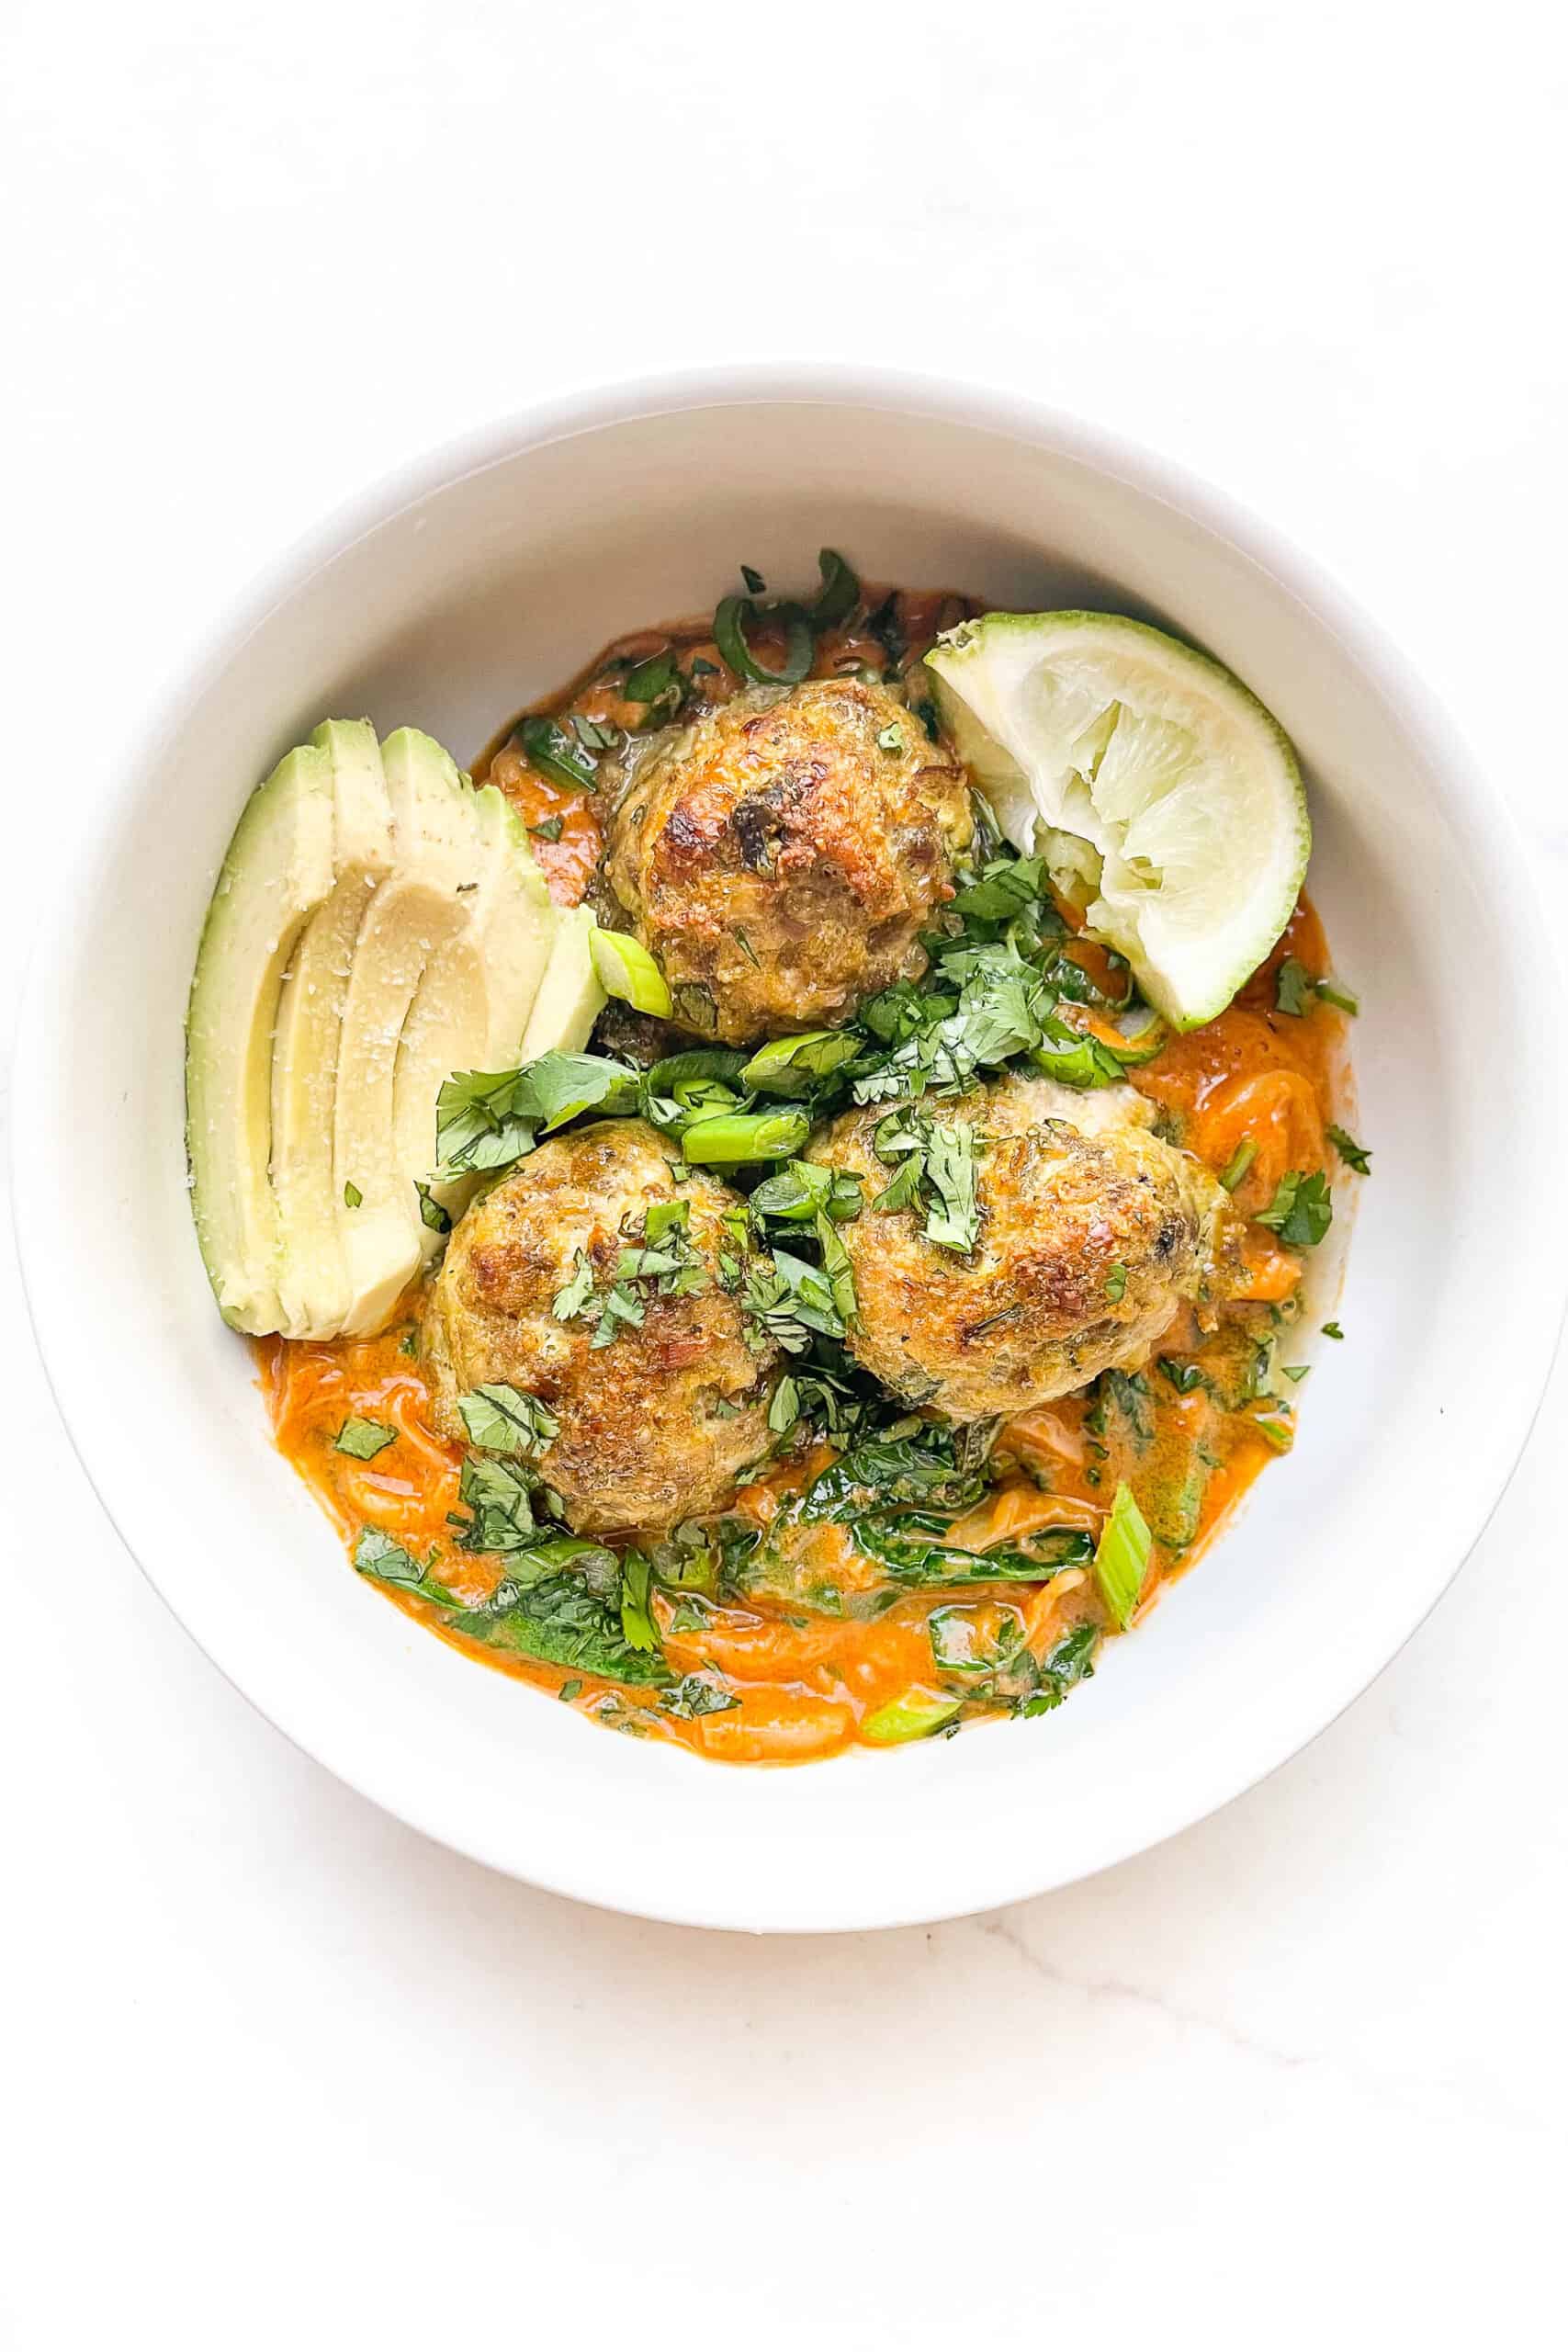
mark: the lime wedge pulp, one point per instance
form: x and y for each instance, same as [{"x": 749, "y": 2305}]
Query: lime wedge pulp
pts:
[{"x": 1164, "y": 799}]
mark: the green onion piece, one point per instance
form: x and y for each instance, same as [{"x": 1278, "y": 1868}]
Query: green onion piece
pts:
[
  {"x": 737, "y": 1137},
  {"x": 916, "y": 1715},
  {"x": 840, "y": 591},
  {"x": 1134, "y": 1046},
  {"x": 729, "y": 635},
  {"x": 754, "y": 579},
  {"x": 1116, "y": 1284},
  {"x": 1332, "y": 1331},
  {"x": 1277, "y": 1429},
  {"x": 1335, "y": 992},
  {"x": 353, "y": 1197},
  {"x": 1122, "y": 1556},
  {"x": 788, "y": 1065},
  {"x": 553, "y": 752},
  {"x": 1245, "y": 1154},
  {"x": 625, "y": 970}
]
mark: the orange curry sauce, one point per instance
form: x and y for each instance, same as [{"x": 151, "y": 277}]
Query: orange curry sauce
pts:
[{"x": 806, "y": 1682}]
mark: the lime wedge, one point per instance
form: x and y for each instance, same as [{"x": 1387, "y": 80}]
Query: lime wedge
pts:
[{"x": 1165, "y": 799}]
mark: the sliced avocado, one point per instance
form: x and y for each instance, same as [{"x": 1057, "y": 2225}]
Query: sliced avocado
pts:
[
  {"x": 277, "y": 872},
  {"x": 571, "y": 996},
  {"x": 438, "y": 861},
  {"x": 313, "y": 1279},
  {"x": 476, "y": 992}
]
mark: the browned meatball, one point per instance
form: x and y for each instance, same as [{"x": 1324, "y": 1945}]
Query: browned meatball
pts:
[
  {"x": 1088, "y": 1243},
  {"x": 781, "y": 855},
  {"x": 654, "y": 1426}
]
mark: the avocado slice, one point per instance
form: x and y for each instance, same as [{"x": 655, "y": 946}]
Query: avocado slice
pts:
[
  {"x": 312, "y": 1281},
  {"x": 477, "y": 992},
  {"x": 571, "y": 997},
  {"x": 437, "y": 864},
  {"x": 277, "y": 872}
]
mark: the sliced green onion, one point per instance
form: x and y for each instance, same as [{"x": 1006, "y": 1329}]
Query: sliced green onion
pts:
[
  {"x": 627, "y": 970},
  {"x": 1241, "y": 1160},
  {"x": 552, "y": 750},
  {"x": 780, "y": 1067},
  {"x": 1134, "y": 1046},
  {"x": 754, "y": 579},
  {"x": 1277, "y": 1429},
  {"x": 1335, "y": 992},
  {"x": 1332, "y": 1331},
  {"x": 729, "y": 635},
  {"x": 1122, "y": 1556},
  {"x": 737, "y": 1137},
  {"x": 840, "y": 591},
  {"x": 916, "y": 1715}
]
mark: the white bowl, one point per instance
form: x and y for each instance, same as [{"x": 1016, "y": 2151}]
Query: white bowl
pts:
[{"x": 486, "y": 575}]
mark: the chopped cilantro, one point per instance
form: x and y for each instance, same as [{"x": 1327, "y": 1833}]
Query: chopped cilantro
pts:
[
  {"x": 637, "y": 1627},
  {"x": 430, "y": 1212},
  {"x": 573, "y": 1296},
  {"x": 696, "y": 1694},
  {"x": 1300, "y": 1211},
  {"x": 364, "y": 1440},
  {"x": 504, "y": 1419},
  {"x": 1355, "y": 1155},
  {"x": 1293, "y": 988}
]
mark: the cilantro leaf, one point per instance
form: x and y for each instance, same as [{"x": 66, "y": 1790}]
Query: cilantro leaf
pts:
[
  {"x": 1294, "y": 988},
  {"x": 504, "y": 1419},
  {"x": 1355, "y": 1155},
  {"x": 696, "y": 1694},
  {"x": 1300, "y": 1211},
  {"x": 363, "y": 1440},
  {"x": 570, "y": 1300}
]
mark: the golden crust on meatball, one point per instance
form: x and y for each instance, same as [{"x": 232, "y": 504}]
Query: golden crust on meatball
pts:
[
  {"x": 781, "y": 855},
  {"x": 1087, "y": 1244},
  {"x": 658, "y": 1425}
]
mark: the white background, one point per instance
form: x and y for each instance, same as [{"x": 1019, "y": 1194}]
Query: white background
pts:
[{"x": 272, "y": 2070}]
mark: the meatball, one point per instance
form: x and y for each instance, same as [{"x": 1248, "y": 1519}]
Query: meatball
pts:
[
  {"x": 781, "y": 855},
  {"x": 656, "y": 1425},
  {"x": 1088, "y": 1243}
]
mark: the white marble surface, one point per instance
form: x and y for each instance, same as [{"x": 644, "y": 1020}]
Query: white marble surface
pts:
[{"x": 272, "y": 2069}]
